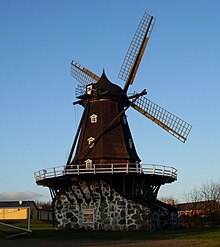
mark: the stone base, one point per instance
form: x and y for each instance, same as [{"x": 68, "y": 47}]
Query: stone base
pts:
[{"x": 95, "y": 205}]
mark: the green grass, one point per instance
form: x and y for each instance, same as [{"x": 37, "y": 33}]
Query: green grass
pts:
[
  {"x": 206, "y": 237},
  {"x": 44, "y": 230}
]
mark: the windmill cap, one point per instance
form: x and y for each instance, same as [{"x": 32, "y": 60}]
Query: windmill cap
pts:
[{"x": 105, "y": 86}]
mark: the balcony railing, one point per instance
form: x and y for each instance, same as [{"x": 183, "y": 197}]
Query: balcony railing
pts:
[{"x": 150, "y": 169}]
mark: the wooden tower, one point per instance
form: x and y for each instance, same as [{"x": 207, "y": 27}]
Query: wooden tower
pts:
[
  {"x": 105, "y": 136},
  {"x": 104, "y": 185}
]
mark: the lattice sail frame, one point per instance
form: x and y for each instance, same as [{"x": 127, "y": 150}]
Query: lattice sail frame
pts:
[
  {"x": 143, "y": 31},
  {"x": 168, "y": 121},
  {"x": 82, "y": 74}
]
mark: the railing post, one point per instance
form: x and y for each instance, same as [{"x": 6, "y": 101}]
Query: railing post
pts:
[
  {"x": 136, "y": 167},
  {"x": 127, "y": 167},
  {"x": 64, "y": 171},
  {"x": 44, "y": 171},
  {"x": 153, "y": 169},
  {"x": 171, "y": 172},
  {"x": 140, "y": 169},
  {"x": 54, "y": 171},
  {"x": 94, "y": 168},
  {"x": 176, "y": 174},
  {"x": 163, "y": 171},
  {"x": 77, "y": 169},
  {"x": 112, "y": 168},
  {"x": 36, "y": 177}
]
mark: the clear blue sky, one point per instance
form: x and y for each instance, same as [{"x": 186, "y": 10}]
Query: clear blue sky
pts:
[{"x": 180, "y": 70}]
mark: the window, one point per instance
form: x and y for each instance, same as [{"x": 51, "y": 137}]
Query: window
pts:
[
  {"x": 125, "y": 119},
  {"x": 130, "y": 143},
  {"x": 93, "y": 118},
  {"x": 89, "y": 89},
  {"x": 91, "y": 141},
  {"x": 89, "y": 164},
  {"x": 88, "y": 216}
]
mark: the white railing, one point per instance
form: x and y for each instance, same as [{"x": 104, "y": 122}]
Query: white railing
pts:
[
  {"x": 49, "y": 173},
  {"x": 150, "y": 169}
]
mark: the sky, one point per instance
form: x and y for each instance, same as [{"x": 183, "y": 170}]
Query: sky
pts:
[{"x": 180, "y": 71}]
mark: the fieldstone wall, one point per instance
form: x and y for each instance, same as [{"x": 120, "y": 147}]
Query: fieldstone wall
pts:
[{"x": 96, "y": 206}]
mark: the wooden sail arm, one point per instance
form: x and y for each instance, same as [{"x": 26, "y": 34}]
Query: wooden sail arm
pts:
[
  {"x": 138, "y": 58},
  {"x": 169, "y": 122},
  {"x": 136, "y": 65},
  {"x": 76, "y": 136},
  {"x": 136, "y": 50}
]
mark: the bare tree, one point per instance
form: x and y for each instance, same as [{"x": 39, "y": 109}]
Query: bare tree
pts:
[
  {"x": 44, "y": 205},
  {"x": 202, "y": 205},
  {"x": 192, "y": 199},
  {"x": 170, "y": 200},
  {"x": 210, "y": 191},
  {"x": 210, "y": 195}
]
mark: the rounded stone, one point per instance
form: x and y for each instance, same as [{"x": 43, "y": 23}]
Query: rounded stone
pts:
[
  {"x": 130, "y": 222},
  {"x": 69, "y": 215},
  {"x": 122, "y": 222},
  {"x": 136, "y": 217},
  {"x": 130, "y": 211},
  {"x": 103, "y": 216},
  {"x": 107, "y": 227},
  {"x": 80, "y": 200},
  {"x": 123, "y": 213},
  {"x": 106, "y": 221},
  {"x": 76, "y": 226},
  {"x": 121, "y": 203},
  {"x": 132, "y": 227},
  {"x": 116, "y": 228},
  {"x": 68, "y": 226},
  {"x": 74, "y": 219}
]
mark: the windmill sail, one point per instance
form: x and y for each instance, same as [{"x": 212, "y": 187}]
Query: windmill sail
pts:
[
  {"x": 171, "y": 123},
  {"x": 136, "y": 50},
  {"x": 82, "y": 74},
  {"x": 168, "y": 121}
]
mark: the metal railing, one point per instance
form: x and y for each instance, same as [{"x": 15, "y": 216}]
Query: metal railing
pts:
[{"x": 82, "y": 169}]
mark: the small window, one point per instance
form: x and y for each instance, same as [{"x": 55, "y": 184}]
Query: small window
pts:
[
  {"x": 90, "y": 141},
  {"x": 88, "y": 216},
  {"x": 130, "y": 144},
  {"x": 125, "y": 119},
  {"x": 89, "y": 89},
  {"x": 89, "y": 164},
  {"x": 93, "y": 118}
]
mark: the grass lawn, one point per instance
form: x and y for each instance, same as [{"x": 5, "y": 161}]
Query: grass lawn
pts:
[{"x": 43, "y": 231}]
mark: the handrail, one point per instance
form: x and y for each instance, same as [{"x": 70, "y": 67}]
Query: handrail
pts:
[{"x": 81, "y": 169}]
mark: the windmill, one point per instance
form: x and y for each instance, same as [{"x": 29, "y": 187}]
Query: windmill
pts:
[{"x": 103, "y": 154}]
